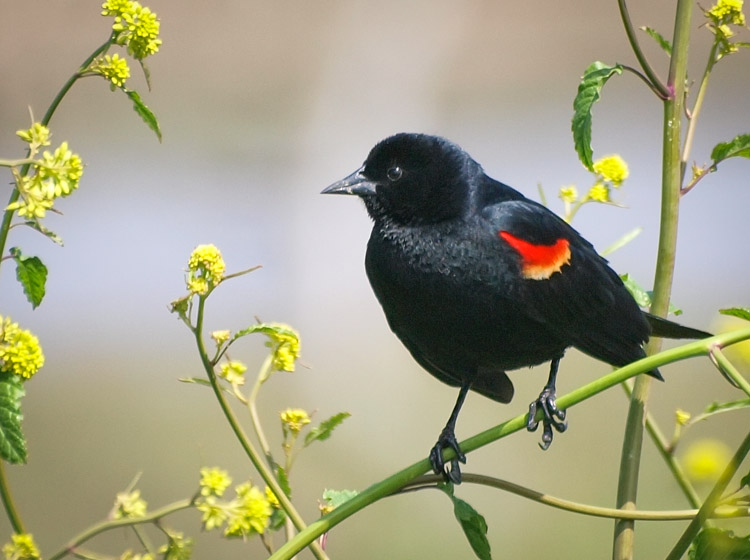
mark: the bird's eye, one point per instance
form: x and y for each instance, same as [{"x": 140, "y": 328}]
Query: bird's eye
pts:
[{"x": 394, "y": 173}]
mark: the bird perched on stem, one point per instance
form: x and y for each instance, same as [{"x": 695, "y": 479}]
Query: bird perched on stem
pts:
[{"x": 475, "y": 280}]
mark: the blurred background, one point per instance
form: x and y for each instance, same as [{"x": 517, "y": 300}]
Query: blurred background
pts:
[{"x": 262, "y": 105}]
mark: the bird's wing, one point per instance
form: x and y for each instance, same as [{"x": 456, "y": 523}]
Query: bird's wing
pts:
[{"x": 562, "y": 282}]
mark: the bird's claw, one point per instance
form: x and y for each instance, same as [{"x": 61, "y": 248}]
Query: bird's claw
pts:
[
  {"x": 447, "y": 440},
  {"x": 552, "y": 417}
]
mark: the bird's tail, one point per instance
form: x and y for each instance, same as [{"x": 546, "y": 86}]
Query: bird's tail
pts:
[{"x": 663, "y": 328}]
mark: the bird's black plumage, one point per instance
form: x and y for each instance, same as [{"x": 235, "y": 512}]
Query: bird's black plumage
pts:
[{"x": 476, "y": 279}]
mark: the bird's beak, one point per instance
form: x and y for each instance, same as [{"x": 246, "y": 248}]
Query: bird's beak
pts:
[{"x": 356, "y": 183}]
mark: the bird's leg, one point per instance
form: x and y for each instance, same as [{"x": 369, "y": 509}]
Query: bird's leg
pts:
[
  {"x": 552, "y": 417},
  {"x": 448, "y": 439}
]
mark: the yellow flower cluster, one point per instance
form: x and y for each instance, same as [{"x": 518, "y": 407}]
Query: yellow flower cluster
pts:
[
  {"x": 233, "y": 371},
  {"x": 569, "y": 194},
  {"x": 727, "y": 12},
  {"x": 294, "y": 419},
  {"x": 20, "y": 352},
  {"x": 214, "y": 481},
  {"x": 129, "y": 505},
  {"x": 205, "y": 269},
  {"x": 53, "y": 175},
  {"x": 136, "y": 27},
  {"x": 248, "y": 513},
  {"x": 114, "y": 68},
  {"x": 285, "y": 344},
  {"x": 611, "y": 169},
  {"x": 21, "y": 547}
]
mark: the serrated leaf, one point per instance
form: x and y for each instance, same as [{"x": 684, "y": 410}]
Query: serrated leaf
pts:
[
  {"x": 334, "y": 498},
  {"x": 283, "y": 478},
  {"x": 32, "y": 274},
  {"x": 472, "y": 523},
  {"x": 148, "y": 117},
  {"x": 46, "y": 232},
  {"x": 12, "y": 441},
  {"x": 739, "y": 146},
  {"x": 719, "y": 544},
  {"x": 641, "y": 296},
  {"x": 324, "y": 429},
  {"x": 589, "y": 92},
  {"x": 659, "y": 38},
  {"x": 741, "y": 312}
]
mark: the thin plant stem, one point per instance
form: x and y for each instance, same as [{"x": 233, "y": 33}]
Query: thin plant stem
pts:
[
  {"x": 99, "y": 528},
  {"x": 711, "y": 502},
  {"x": 627, "y": 489},
  {"x": 247, "y": 446},
  {"x": 8, "y": 503},
  {"x": 253, "y": 409},
  {"x": 431, "y": 481},
  {"x": 655, "y": 82}
]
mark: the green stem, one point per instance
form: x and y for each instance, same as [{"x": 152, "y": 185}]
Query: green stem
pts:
[
  {"x": 99, "y": 528},
  {"x": 8, "y": 503},
  {"x": 693, "y": 121},
  {"x": 728, "y": 369},
  {"x": 251, "y": 405},
  {"x": 627, "y": 489},
  {"x": 655, "y": 82},
  {"x": 663, "y": 446},
  {"x": 247, "y": 446},
  {"x": 8, "y": 215},
  {"x": 400, "y": 479},
  {"x": 431, "y": 481},
  {"x": 712, "y": 501}
]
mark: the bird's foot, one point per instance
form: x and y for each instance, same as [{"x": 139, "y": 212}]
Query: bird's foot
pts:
[
  {"x": 447, "y": 440},
  {"x": 552, "y": 417}
]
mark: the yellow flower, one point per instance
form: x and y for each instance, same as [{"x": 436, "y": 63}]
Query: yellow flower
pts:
[
  {"x": 129, "y": 505},
  {"x": 21, "y": 547},
  {"x": 682, "y": 417},
  {"x": 569, "y": 193},
  {"x": 214, "y": 481},
  {"x": 285, "y": 345},
  {"x": 250, "y": 513},
  {"x": 205, "y": 269},
  {"x": 233, "y": 371},
  {"x": 63, "y": 168},
  {"x": 214, "y": 513},
  {"x": 220, "y": 337},
  {"x": 611, "y": 169},
  {"x": 294, "y": 419},
  {"x": 37, "y": 135},
  {"x": 20, "y": 352},
  {"x": 113, "y": 68},
  {"x": 598, "y": 193},
  {"x": 727, "y": 11},
  {"x": 705, "y": 459},
  {"x": 137, "y": 28}
]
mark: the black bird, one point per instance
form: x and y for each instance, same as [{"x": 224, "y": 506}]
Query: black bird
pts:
[{"x": 476, "y": 279}]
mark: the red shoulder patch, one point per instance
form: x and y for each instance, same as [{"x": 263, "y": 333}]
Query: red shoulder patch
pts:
[{"x": 539, "y": 262}]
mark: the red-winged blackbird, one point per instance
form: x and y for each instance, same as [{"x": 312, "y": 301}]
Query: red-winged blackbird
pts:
[{"x": 476, "y": 279}]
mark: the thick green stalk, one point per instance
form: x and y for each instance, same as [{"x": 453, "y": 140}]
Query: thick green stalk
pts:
[
  {"x": 627, "y": 489},
  {"x": 397, "y": 481},
  {"x": 8, "y": 503}
]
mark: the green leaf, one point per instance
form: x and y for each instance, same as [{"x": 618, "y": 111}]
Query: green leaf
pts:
[
  {"x": 324, "y": 429},
  {"x": 656, "y": 36},
  {"x": 719, "y": 544},
  {"x": 641, "y": 296},
  {"x": 32, "y": 274},
  {"x": 739, "y": 146},
  {"x": 472, "y": 523},
  {"x": 12, "y": 441},
  {"x": 145, "y": 113},
  {"x": 745, "y": 481},
  {"x": 741, "y": 312},
  {"x": 589, "y": 91},
  {"x": 266, "y": 329},
  {"x": 715, "y": 407},
  {"x": 195, "y": 380},
  {"x": 334, "y": 498},
  {"x": 44, "y": 231}
]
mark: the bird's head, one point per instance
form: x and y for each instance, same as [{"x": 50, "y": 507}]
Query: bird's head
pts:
[{"x": 412, "y": 179}]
